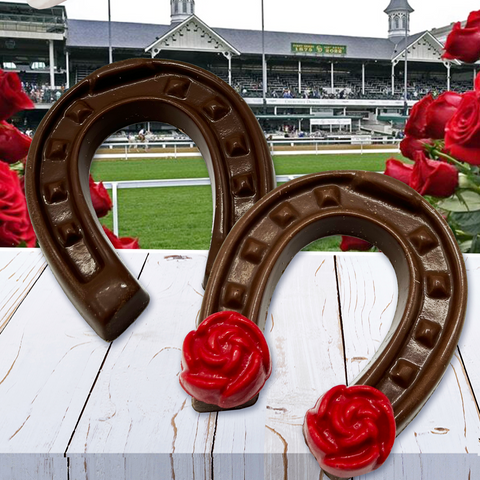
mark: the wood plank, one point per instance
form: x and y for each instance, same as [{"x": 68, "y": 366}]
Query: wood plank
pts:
[
  {"x": 449, "y": 422},
  {"x": 19, "y": 269},
  {"x": 49, "y": 359},
  {"x": 137, "y": 405},
  {"x": 304, "y": 334}
]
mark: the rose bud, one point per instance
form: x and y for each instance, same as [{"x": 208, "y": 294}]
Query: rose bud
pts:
[
  {"x": 354, "y": 243},
  {"x": 15, "y": 225},
  {"x": 226, "y": 361},
  {"x": 463, "y": 43},
  {"x": 12, "y": 97},
  {"x": 417, "y": 121},
  {"x": 440, "y": 112},
  {"x": 14, "y": 144},
  {"x": 433, "y": 177},
  {"x": 351, "y": 430},
  {"x": 410, "y": 145},
  {"x": 122, "y": 242},
  {"x": 462, "y": 133},
  {"x": 100, "y": 198},
  {"x": 399, "y": 170}
]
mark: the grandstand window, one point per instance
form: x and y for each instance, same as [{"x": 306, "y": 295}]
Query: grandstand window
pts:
[
  {"x": 9, "y": 65},
  {"x": 185, "y": 10},
  {"x": 397, "y": 22},
  {"x": 38, "y": 66}
]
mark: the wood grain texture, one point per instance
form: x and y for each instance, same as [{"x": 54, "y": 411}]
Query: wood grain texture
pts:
[
  {"x": 49, "y": 359},
  {"x": 118, "y": 412},
  {"x": 19, "y": 269},
  {"x": 137, "y": 405}
]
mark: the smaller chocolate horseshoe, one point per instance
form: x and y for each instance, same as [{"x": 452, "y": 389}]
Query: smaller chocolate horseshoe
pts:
[
  {"x": 430, "y": 271},
  {"x": 56, "y": 182}
]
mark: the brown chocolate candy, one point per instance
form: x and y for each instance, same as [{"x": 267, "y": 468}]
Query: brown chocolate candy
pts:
[
  {"x": 432, "y": 284},
  {"x": 132, "y": 91}
]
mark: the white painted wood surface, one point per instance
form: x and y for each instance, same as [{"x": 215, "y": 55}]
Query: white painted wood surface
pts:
[{"x": 74, "y": 407}]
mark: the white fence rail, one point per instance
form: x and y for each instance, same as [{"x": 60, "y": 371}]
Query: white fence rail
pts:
[
  {"x": 181, "y": 182},
  {"x": 360, "y": 141}
]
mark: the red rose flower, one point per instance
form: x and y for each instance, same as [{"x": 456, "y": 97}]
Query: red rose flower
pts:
[
  {"x": 122, "y": 242},
  {"x": 433, "y": 177},
  {"x": 353, "y": 243},
  {"x": 399, "y": 170},
  {"x": 226, "y": 361},
  {"x": 100, "y": 199},
  {"x": 462, "y": 133},
  {"x": 15, "y": 225},
  {"x": 14, "y": 144},
  {"x": 440, "y": 112},
  {"x": 410, "y": 145},
  {"x": 417, "y": 120},
  {"x": 464, "y": 43},
  {"x": 12, "y": 97},
  {"x": 351, "y": 430}
]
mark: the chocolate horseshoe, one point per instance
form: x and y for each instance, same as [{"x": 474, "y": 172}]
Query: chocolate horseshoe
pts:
[
  {"x": 131, "y": 91},
  {"x": 430, "y": 271}
]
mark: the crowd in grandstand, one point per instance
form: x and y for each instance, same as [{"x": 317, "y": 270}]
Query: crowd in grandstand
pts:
[{"x": 42, "y": 93}]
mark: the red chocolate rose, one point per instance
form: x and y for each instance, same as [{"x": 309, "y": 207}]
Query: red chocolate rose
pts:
[
  {"x": 351, "y": 430},
  {"x": 462, "y": 133},
  {"x": 122, "y": 242},
  {"x": 353, "y": 243},
  {"x": 226, "y": 361},
  {"x": 464, "y": 43},
  {"x": 399, "y": 170},
  {"x": 15, "y": 225},
  {"x": 433, "y": 177},
  {"x": 417, "y": 120},
  {"x": 100, "y": 198},
  {"x": 440, "y": 112},
  {"x": 12, "y": 97},
  {"x": 410, "y": 145},
  {"x": 14, "y": 144}
]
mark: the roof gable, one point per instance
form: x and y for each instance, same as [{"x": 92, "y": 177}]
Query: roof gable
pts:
[{"x": 192, "y": 35}]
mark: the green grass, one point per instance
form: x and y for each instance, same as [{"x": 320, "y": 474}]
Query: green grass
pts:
[{"x": 181, "y": 217}]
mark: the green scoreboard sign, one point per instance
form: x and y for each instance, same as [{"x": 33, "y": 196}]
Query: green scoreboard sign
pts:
[{"x": 319, "y": 48}]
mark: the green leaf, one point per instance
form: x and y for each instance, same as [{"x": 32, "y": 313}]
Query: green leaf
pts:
[
  {"x": 470, "y": 203},
  {"x": 469, "y": 222}
]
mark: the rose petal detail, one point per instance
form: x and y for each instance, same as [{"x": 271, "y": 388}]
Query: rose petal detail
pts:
[
  {"x": 351, "y": 430},
  {"x": 226, "y": 361}
]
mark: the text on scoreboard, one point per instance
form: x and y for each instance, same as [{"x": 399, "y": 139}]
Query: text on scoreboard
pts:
[{"x": 319, "y": 48}]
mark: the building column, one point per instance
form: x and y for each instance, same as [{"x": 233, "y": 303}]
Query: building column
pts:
[
  {"x": 299, "y": 76},
  {"x": 52, "y": 63},
  {"x": 265, "y": 79},
  {"x": 67, "y": 69},
  {"x": 331, "y": 75},
  {"x": 363, "y": 79},
  {"x": 448, "y": 75},
  {"x": 393, "y": 78}
]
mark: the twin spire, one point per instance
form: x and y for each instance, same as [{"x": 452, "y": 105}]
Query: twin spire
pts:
[{"x": 398, "y": 12}]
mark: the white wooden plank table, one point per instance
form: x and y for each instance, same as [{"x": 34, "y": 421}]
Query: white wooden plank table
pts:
[{"x": 74, "y": 407}]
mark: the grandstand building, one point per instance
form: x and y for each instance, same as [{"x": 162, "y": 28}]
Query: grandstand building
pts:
[{"x": 309, "y": 81}]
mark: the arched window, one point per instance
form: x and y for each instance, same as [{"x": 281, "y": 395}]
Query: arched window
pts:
[
  {"x": 185, "y": 8},
  {"x": 397, "y": 22}
]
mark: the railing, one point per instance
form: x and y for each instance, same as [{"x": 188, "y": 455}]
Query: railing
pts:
[
  {"x": 314, "y": 144},
  {"x": 181, "y": 182}
]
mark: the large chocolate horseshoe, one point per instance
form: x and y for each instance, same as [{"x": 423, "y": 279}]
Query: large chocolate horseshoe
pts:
[
  {"x": 132, "y": 91},
  {"x": 429, "y": 266}
]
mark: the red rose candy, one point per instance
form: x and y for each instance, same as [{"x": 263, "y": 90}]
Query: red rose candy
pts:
[
  {"x": 351, "y": 430},
  {"x": 226, "y": 361},
  {"x": 14, "y": 144},
  {"x": 354, "y": 243},
  {"x": 100, "y": 198}
]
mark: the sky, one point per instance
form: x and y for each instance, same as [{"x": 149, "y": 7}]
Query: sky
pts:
[{"x": 338, "y": 17}]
